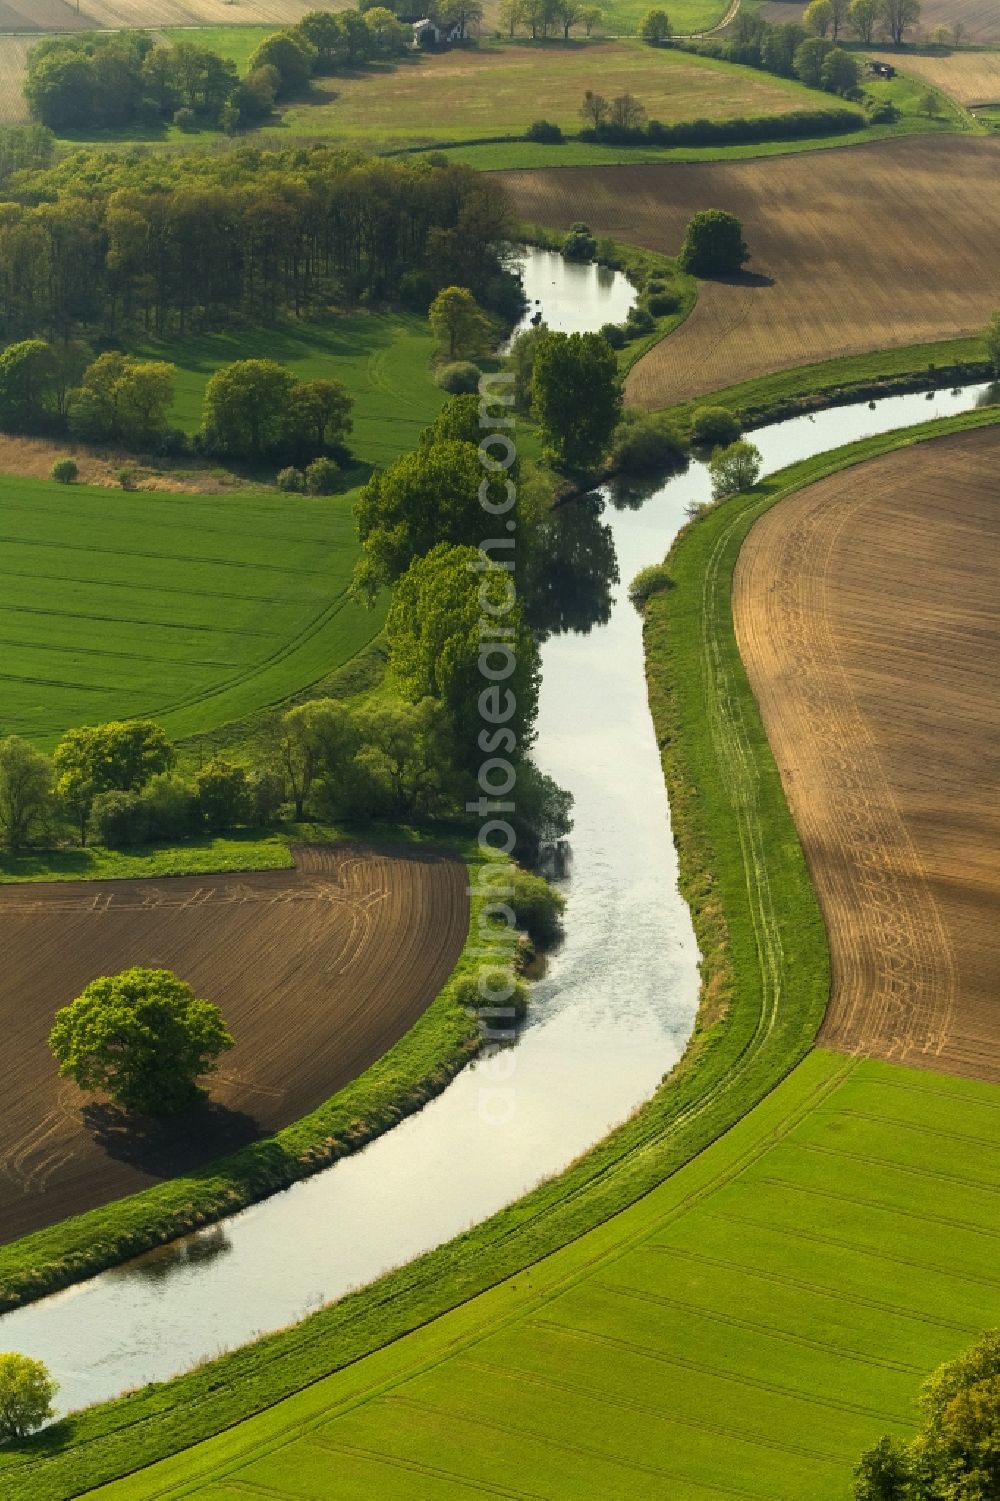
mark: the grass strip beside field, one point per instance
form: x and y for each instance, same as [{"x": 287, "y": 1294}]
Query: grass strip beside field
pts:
[
  {"x": 887, "y": 372},
  {"x": 765, "y": 1314}
]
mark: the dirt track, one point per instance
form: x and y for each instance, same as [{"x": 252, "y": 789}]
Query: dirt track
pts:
[
  {"x": 317, "y": 970},
  {"x": 854, "y": 249},
  {"x": 866, "y": 614}
]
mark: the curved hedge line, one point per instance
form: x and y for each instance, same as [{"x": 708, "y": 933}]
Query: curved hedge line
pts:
[
  {"x": 741, "y": 130},
  {"x": 764, "y": 990}
]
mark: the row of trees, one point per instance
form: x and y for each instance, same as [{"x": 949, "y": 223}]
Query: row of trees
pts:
[
  {"x": 779, "y": 48},
  {"x": 100, "y": 81},
  {"x": 893, "y": 18},
  {"x": 253, "y": 409},
  {"x": 115, "y": 784},
  {"x": 98, "y": 244},
  {"x": 400, "y": 756},
  {"x": 542, "y": 18}
]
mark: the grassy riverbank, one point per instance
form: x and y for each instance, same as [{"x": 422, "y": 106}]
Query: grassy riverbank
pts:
[
  {"x": 888, "y": 372},
  {"x": 765, "y": 983}
]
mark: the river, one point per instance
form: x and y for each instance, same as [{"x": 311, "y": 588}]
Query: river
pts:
[{"x": 611, "y": 1014}]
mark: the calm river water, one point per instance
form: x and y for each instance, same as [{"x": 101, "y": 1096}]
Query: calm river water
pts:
[{"x": 610, "y": 1016}]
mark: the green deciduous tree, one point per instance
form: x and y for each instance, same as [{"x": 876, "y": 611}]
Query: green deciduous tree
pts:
[
  {"x": 292, "y": 54},
  {"x": 122, "y": 400},
  {"x": 438, "y": 648},
  {"x": 222, "y": 793},
  {"x": 425, "y": 497},
  {"x": 656, "y": 27},
  {"x": 389, "y": 35},
  {"x": 311, "y": 741},
  {"x": 714, "y": 244},
  {"x": 26, "y": 1393},
  {"x": 863, "y": 17},
  {"x": 993, "y": 342},
  {"x": 956, "y": 1454},
  {"x": 402, "y": 751},
  {"x": 61, "y": 89},
  {"x": 839, "y": 73},
  {"x": 247, "y": 408},
  {"x": 459, "y": 324},
  {"x": 28, "y": 381},
  {"x": 26, "y": 779},
  {"x": 319, "y": 414},
  {"x": 120, "y": 756},
  {"x": 457, "y": 422},
  {"x": 734, "y": 469},
  {"x": 809, "y": 60},
  {"x": 818, "y": 17},
  {"x": 898, "y": 17},
  {"x": 142, "y": 1037},
  {"x": 576, "y": 396}
]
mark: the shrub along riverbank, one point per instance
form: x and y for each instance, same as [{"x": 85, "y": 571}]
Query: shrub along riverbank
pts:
[{"x": 759, "y": 928}]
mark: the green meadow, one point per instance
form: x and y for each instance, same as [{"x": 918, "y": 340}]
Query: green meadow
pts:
[
  {"x": 195, "y": 610},
  {"x": 744, "y": 1330},
  {"x": 199, "y": 610},
  {"x": 382, "y": 358}
]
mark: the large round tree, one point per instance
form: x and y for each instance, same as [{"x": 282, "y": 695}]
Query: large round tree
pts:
[
  {"x": 142, "y": 1037},
  {"x": 714, "y": 244}
]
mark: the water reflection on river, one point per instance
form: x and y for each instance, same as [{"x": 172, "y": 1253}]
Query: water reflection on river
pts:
[{"x": 609, "y": 1016}]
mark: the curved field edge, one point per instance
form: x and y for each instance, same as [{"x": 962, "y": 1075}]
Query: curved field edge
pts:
[
  {"x": 809, "y": 388},
  {"x": 416, "y": 1068},
  {"x": 765, "y": 986}
]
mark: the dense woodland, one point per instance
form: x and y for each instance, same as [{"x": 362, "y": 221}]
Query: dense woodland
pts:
[{"x": 101, "y": 244}]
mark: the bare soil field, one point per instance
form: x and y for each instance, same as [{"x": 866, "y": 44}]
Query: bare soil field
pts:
[
  {"x": 62, "y": 15},
  {"x": 318, "y": 972},
  {"x": 971, "y": 77},
  {"x": 854, "y": 249},
  {"x": 866, "y": 615}
]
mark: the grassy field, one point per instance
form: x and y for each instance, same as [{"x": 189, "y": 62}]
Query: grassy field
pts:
[
  {"x": 382, "y": 358},
  {"x": 189, "y": 609},
  {"x": 200, "y": 610},
  {"x": 237, "y": 42},
  {"x": 760, "y": 1318},
  {"x": 499, "y": 89}
]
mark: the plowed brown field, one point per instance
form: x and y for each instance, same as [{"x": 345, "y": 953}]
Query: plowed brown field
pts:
[
  {"x": 317, "y": 970},
  {"x": 866, "y": 613},
  {"x": 854, "y": 249}
]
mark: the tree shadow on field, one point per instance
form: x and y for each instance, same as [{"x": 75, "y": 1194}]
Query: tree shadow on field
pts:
[
  {"x": 173, "y": 1145},
  {"x": 743, "y": 279}
]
